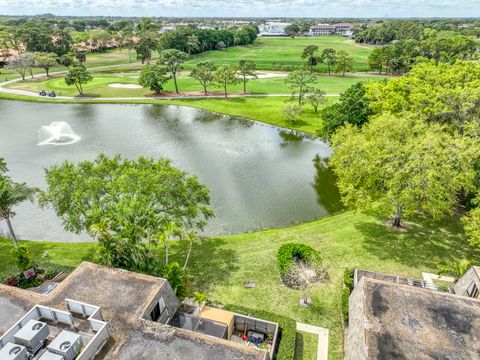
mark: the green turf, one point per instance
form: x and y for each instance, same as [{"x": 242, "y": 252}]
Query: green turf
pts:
[
  {"x": 282, "y": 53},
  {"x": 98, "y": 87},
  {"x": 108, "y": 58},
  {"x": 264, "y": 109},
  {"x": 220, "y": 266},
  {"x": 306, "y": 346}
]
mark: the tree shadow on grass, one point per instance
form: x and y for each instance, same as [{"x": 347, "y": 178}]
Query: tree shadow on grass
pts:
[
  {"x": 423, "y": 243},
  {"x": 210, "y": 263}
]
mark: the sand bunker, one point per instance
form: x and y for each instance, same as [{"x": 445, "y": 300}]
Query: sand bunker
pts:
[
  {"x": 264, "y": 75},
  {"x": 124, "y": 86},
  {"x": 271, "y": 75}
]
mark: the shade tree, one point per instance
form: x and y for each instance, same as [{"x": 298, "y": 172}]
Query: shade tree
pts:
[
  {"x": 343, "y": 62},
  {"x": 247, "y": 69},
  {"x": 204, "y": 73},
  {"x": 328, "y": 57},
  {"x": 22, "y": 64},
  {"x": 226, "y": 75},
  {"x": 300, "y": 82},
  {"x": 173, "y": 59},
  {"x": 45, "y": 61},
  {"x": 12, "y": 194},
  {"x": 310, "y": 55},
  {"x": 129, "y": 206},
  {"x": 403, "y": 166},
  {"x": 154, "y": 77},
  {"x": 78, "y": 76}
]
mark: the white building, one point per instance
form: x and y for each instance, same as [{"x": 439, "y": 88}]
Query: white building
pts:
[
  {"x": 322, "y": 29},
  {"x": 273, "y": 28}
]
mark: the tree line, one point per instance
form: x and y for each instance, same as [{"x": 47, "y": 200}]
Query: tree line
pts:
[
  {"x": 384, "y": 32},
  {"x": 401, "y": 55}
]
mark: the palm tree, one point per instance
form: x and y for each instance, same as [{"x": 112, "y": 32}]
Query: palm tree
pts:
[
  {"x": 191, "y": 237},
  {"x": 166, "y": 236},
  {"x": 11, "y": 194}
]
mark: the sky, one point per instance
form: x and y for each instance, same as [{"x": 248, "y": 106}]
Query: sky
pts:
[{"x": 246, "y": 8}]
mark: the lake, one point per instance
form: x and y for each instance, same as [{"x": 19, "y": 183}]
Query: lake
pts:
[{"x": 259, "y": 176}]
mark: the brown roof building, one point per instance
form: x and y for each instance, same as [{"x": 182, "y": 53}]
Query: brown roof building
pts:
[
  {"x": 393, "y": 319},
  {"x": 136, "y": 308}
]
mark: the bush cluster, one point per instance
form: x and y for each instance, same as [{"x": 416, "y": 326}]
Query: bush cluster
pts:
[
  {"x": 45, "y": 271},
  {"x": 287, "y": 336},
  {"x": 348, "y": 275},
  {"x": 290, "y": 253}
]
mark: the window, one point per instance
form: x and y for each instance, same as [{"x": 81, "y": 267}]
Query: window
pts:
[
  {"x": 472, "y": 290},
  {"x": 159, "y": 310}
]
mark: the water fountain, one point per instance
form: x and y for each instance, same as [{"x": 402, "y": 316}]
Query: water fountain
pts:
[{"x": 57, "y": 133}]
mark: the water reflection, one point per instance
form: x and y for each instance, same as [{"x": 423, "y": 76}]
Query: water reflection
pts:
[
  {"x": 325, "y": 186},
  {"x": 259, "y": 176}
]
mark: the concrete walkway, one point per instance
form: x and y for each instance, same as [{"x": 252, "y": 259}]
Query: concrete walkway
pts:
[
  {"x": 322, "y": 349},
  {"x": 429, "y": 277},
  {"x": 137, "y": 98}
]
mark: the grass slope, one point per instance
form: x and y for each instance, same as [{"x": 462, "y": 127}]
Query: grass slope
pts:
[
  {"x": 220, "y": 266},
  {"x": 282, "y": 53}
]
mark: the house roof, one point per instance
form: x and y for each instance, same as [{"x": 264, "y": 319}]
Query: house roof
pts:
[
  {"x": 406, "y": 322},
  {"x": 123, "y": 297},
  {"x": 477, "y": 271}
]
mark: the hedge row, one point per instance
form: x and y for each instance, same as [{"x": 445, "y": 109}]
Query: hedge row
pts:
[
  {"x": 290, "y": 252},
  {"x": 348, "y": 275},
  {"x": 287, "y": 335}
]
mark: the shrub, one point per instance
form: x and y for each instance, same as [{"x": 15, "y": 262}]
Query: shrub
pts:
[
  {"x": 29, "y": 283},
  {"x": 50, "y": 270},
  {"x": 22, "y": 258},
  {"x": 287, "y": 336},
  {"x": 177, "y": 278},
  {"x": 348, "y": 275},
  {"x": 290, "y": 253}
]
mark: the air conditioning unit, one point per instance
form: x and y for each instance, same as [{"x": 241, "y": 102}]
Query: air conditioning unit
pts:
[
  {"x": 47, "y": 355},
  {"x": 13, "y": 351},
  {"x": 32, "y": 335},
  {"x": 67, "y": 344}
]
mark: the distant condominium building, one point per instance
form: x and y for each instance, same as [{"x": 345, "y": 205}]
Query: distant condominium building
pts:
[{"x": 344, "y": 29}]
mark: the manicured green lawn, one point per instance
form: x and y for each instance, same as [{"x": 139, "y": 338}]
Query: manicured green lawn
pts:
[
  {"x": 283, "y": 53},
  {"x": 306, "y": 346},
  {"x": 220, "y": 266},
  {"x": 264, "y": 109},
  {"x": 99, "y": 86},
  {"x": 109, "y": 58}
]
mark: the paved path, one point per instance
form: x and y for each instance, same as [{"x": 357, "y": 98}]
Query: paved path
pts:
[
  {"x": 322, "y": 349},
  {"x": 429, "y": 277},
  {"x": 137, "y": 98}
]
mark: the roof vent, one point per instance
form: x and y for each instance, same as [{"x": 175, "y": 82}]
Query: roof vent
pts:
[
  {"x": 65, "y": 345},
  {"x": 15, "y": 350},
  {"x": 37, "y": 326},
  {"x": 12, "y": 351}
]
